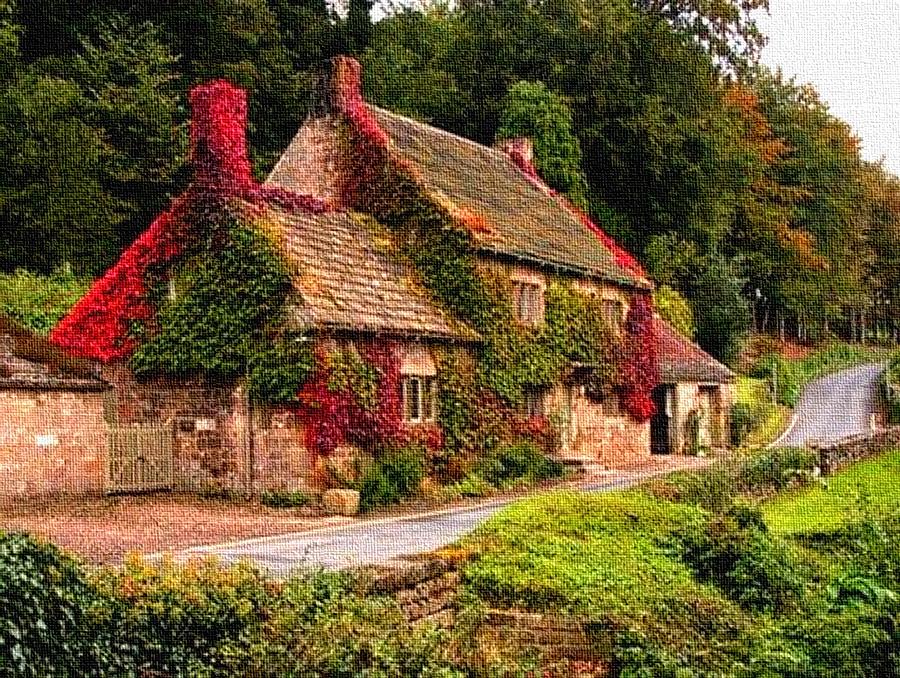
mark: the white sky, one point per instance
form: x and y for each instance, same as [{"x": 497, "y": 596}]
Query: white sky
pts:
[{"x": 850, "y": 51}]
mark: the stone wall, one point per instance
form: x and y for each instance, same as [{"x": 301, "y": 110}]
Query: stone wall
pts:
[
  {"x": 427, "y": 588},
  {"x": 51, "y": 442},
  {"x": 553, "y": 636},
  {"x": 597, "y": 433},
  {"x": 834, "y": 456},
  {"x": 214, "y": 447},
  {"x": 713, "y": 401}
]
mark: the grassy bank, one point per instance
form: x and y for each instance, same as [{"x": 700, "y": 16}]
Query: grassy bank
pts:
[
  {"x": 759, "y": 420},
  {"x": 838, "y": 500},
  {"x": 676, "y": 583}
]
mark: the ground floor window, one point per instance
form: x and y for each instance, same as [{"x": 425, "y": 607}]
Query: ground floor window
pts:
[
  {"x": 419, "y": 399},
  {"x": 533, "y": 403}
]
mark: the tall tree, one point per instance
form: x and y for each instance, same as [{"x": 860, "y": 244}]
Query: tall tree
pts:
[{"x": 531, "y": 110}]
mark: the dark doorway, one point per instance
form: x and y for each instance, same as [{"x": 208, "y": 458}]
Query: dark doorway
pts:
[{"x": 659, "y": 423}]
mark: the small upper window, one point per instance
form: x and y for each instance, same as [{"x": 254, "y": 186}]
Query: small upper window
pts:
[
  {"x": 533, "y": 403},
  {"x": 529, "y": 302},
  {"x": 419, "y": 399},
  {"x": 613, "y": 313}
]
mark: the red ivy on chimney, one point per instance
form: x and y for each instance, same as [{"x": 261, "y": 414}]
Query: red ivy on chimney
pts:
[{"x": 102, "y": 324}]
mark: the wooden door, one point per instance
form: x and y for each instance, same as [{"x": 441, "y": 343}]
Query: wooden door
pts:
[{"x": 140, "y": 459}]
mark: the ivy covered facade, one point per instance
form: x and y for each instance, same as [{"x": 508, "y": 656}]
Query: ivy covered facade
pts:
[{"x": 389, "y": 286}]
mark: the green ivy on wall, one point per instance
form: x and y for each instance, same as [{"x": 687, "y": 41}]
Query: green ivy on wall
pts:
[{"x": 226, "y": 315}]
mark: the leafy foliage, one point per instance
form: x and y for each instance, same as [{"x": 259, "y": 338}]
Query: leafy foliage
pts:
[
  {"x": 37, "y": 301},
  {"x": 223, "y": 296},
  {"x": 45, "y": 601},
  {"x": 394, "y": 476},
  {"x": 533, "y": 111}
]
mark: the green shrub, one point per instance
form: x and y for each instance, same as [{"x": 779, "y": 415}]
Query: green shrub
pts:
[
  {"x": 713, "y": 488},
  {"x": 284, "y": 499},
  {"x": 393, "y": 477},
  {"x": 175, "y": 619},
  {"x": 743, "y": 420},
  {"x": 777, "y": 469},
  {"x": 473, "y": 485},
  {"x": 46, "y": 628},
  {"x": 736, "y": 552},
  {"x": 523, "y": 460},
  {"x": 788, "y": 375},
  {"x": 322, "y": 625},
  {"x": 37, "y": 301},
  {"x": 717, "y": 486}
]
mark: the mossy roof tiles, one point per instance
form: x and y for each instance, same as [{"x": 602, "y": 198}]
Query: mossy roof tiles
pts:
[
  {"x": 346, "y": 281},
  {"x": 523, "y": 221},
  {"x": 681, "y": 360}
]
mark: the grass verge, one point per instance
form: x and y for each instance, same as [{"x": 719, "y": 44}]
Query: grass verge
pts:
[{"x": 836, "y": 501}]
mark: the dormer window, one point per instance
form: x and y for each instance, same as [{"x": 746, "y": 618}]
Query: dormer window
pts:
[{"x": 528, "y": 302}]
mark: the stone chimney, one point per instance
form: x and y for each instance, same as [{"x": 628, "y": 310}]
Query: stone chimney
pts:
[
  {"x": 339, "y": 87},
  {"x": 518, "y": 146},
  {"x": 219, "y": 155}
]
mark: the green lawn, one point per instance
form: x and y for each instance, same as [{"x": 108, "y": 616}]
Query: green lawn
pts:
[
  {"x": 822, "y": 508},
  {"x": 769, "y": 419},
  {"x": 581, "y": 553}
]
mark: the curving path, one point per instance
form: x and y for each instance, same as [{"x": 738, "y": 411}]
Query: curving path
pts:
[
  {"x": 835, "y": 406},
  {"x": 832, "y": 407},
  {"x": 376, "y": 541}
]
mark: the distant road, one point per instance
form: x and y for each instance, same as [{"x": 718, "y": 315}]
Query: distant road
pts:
[{"x": 835, "y": 406}]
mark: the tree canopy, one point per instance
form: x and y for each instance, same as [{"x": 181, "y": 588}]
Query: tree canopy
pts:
[{"x": 736, "y": 187}]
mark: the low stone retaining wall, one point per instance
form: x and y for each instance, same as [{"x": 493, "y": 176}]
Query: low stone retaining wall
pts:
[
  {"x": 427, "y": 590},
  {"x": 835, "y": 456},
  {"x": 556, "y": 637}
]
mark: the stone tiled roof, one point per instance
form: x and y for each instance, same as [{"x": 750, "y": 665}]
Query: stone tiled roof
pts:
[
  {"x": 522, "y": 220},
  {"x": 681, "y": 360},
  {"x": 28, "y": 361},
  {"x": 347, "y": 281}
]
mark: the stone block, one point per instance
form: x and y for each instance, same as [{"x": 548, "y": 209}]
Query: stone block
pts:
[{"x": 341, "y": 502}]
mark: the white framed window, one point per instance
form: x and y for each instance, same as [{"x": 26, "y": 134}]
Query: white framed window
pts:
[
  {"x": 528, "y": 302},
  {"x": 613, "y": 312},
  {"x": 533, "y": 404},
  {"x": 420, "y": 401}
]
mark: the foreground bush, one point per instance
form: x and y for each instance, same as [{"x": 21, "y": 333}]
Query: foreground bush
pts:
[
  {"x": 45, "y": 612},
  {"x": 200, "y": 620},
  {"x": 736, "y": 552}
]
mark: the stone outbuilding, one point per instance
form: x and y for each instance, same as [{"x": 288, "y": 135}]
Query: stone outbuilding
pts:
[
  {"x": 53, "y": 432},
  {"x": 694, "y": 397}
]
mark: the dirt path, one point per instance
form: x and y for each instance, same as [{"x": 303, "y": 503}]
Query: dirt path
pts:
[{"x": 103, "y": 530}]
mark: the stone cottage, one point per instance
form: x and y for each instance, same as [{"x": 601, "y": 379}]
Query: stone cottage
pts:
[
  {"x": 693, "y": 398},
  {"x": 382, "y": 263},
  {"x": 53, "y": 433},
  {"x": 523, "y": 232}
]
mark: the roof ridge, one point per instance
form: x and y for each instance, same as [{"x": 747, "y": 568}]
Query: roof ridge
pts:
[{"x": 440, "y": 130}]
